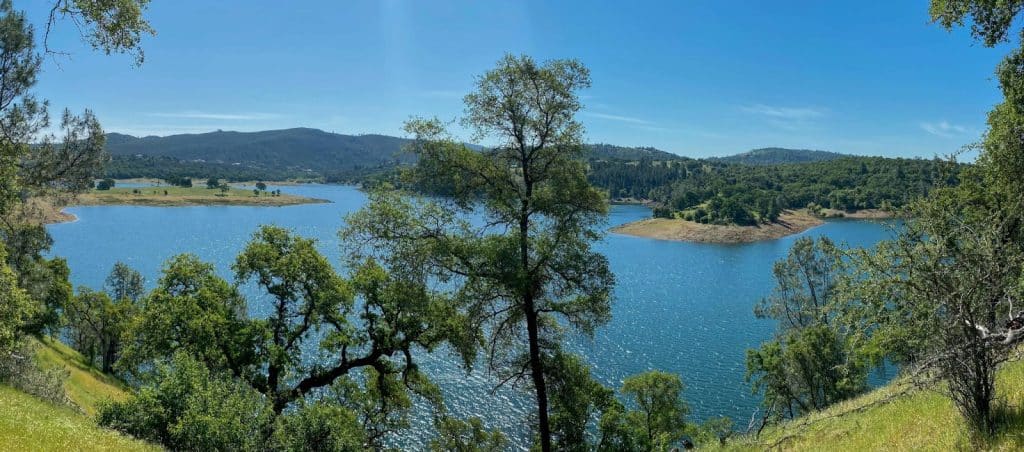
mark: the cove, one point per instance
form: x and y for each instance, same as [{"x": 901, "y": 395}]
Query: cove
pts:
[{"x": 681, "y": 307}]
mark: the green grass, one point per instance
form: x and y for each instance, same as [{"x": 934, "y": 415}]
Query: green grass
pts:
[
  {"x": 86, "y": 386},
  {"x": 29, "y": 424},
  {"x": 919, "y": 420}
]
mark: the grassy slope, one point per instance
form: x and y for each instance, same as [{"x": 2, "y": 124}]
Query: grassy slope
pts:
[
  {"x": 28, "y": 423},
  {"x": 86, "y": 386},
  {"x": 922, "y": 420}
]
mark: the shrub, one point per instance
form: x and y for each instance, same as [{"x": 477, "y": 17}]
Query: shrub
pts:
[
  {"x": 187, "y": 407},
  {"x": 20, "y": 370},
  {"x": 321, "y": 427}
]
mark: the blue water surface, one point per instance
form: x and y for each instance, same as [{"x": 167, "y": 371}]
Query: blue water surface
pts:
[{"x": 680, "y": 307}]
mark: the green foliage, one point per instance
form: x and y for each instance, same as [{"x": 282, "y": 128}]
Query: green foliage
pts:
[
  {"x": 319, "y": 426},
  {"x": 193, "y": 311},
  {"x": 188, "y": 407},
  {"x": 111, "y": 26},
  {"x": 455, "y": 435},
  {"x": 657, "y": 421},
  {"x": 811, "y": 363},
  {"x": 576, "y": 401},
  {"x": 15, "y": 307},
  {"x": 124, "y": 283},
  {"x": 96, "y": 324},
  {"x": 44, "y": 280},
  {"x": 366, "y": 364},
  {"x": 713, "y": 431}
]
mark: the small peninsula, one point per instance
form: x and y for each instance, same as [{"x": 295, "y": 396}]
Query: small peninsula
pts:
[
  {"x": 169, "y": 196},
  {"x": 789, "y": 222}
]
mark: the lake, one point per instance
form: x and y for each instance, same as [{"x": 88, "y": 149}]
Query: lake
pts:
[{"x": 680, "y": 307}]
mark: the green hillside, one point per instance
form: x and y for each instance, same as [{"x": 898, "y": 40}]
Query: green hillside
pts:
[
  {"x": 775, "y": 156},
  {"x": 887, "y": 420},
  {"x": 28, "y": 423},
  {"x": 86, "y": 386},
  {"x": 610, "y": 151}
]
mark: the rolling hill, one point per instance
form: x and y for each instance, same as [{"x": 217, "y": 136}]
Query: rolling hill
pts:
[
  {"x": 775, "y": 156},
  {"x": 298, "y": 149}
]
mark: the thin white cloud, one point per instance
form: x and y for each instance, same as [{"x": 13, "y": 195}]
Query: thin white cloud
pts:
[
  {"x": 943, "y": 129},
  {"x": 786, "y": 118},
  {"x": 217, "y": 116},
  {"x": 627, "y": 119},
  {"x": 784, "y": 113}
]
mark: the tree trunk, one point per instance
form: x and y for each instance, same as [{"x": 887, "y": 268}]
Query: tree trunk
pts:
[
  {"x": 537, "y": 373},
  {"x": 108, "y": 358},
  {"x": 536, "y": 365}
]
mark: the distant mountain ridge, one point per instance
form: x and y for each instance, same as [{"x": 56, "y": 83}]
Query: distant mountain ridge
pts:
[
  {"x": 298, "y": 149},
  {"x": 311, "y": 153},
  {"x": 307, "y": 150},
  {"x": 775, "y": 156}
]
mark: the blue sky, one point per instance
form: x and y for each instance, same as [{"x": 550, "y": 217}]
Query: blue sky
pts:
[{"x": 697, "y": 78}]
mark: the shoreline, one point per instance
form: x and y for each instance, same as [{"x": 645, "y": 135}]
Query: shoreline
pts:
[{"x": 790, "y": 222}]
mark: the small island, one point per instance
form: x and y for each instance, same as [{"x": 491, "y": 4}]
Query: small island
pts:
[
  {"x": 789, "y": 222},
  {"x": 169, "y": 196}
]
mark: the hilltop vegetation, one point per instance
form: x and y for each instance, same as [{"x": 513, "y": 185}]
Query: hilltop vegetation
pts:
[{"x": 776, "y": 156}]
